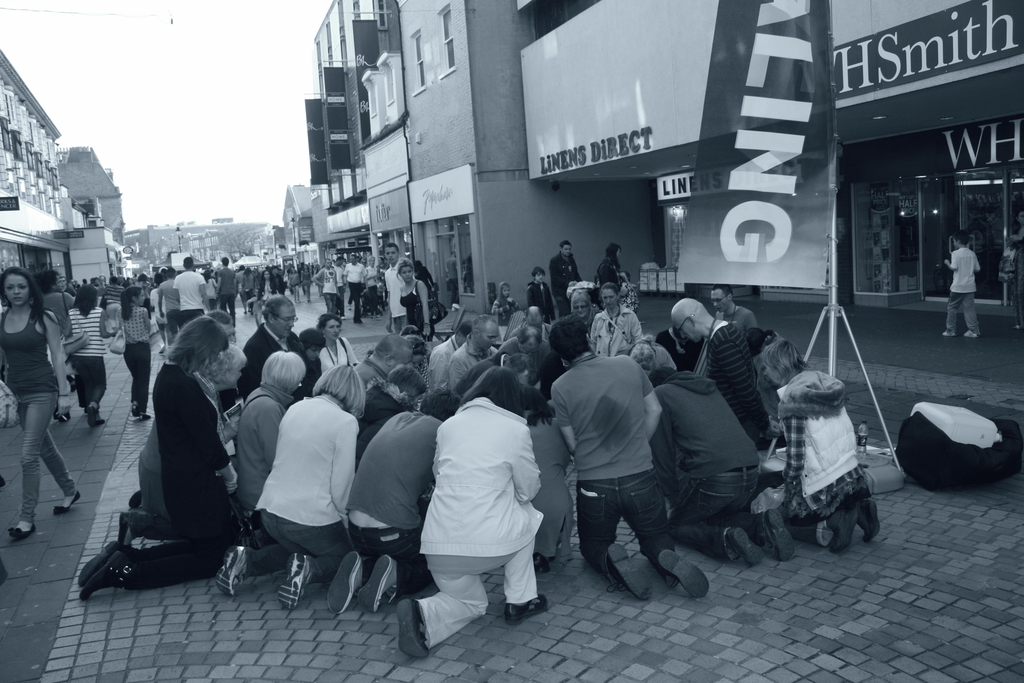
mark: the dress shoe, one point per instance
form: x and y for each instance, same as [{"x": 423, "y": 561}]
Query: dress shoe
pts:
[
  {"x": 97, "y": 563},
  {"x": 515, "y": 614},
  {"x": 867, "y": 519},
  {"x": 113, "y": 574},
  {"x": 626, "y": 573},
  {"x": 61, "y": 509},
  {"x": 411, "y": 637},
  {"x": 18, "y": 534},
  {"x": 136, "y": 500},
  {"x": 2, "y": 483},
  {"x": 689, "y": 576},
  {"x": 92, "y": 415},
  {"x": 541, "y": 564}
]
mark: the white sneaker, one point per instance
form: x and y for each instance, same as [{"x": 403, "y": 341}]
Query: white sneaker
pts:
[
  {"x": 947, "y": 333},
  {"x": 291, "y": 590},
  {"x": 971, "y": 335},
  {"x": 236, "y": 567}
]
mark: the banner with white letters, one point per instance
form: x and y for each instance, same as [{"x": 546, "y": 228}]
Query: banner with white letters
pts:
[{"x": 761, "y": 207}]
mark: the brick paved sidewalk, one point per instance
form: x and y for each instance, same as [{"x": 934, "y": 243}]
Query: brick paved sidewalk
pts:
[{"x": 936, "y": 597}]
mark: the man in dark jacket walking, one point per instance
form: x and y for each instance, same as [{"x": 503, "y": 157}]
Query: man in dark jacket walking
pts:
[{"x": 563, "y": 271}]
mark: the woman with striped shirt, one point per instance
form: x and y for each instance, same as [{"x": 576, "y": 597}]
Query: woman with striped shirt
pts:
[
  {"x": 135, "y": 323},
  {"x": 88, "y": 361}
]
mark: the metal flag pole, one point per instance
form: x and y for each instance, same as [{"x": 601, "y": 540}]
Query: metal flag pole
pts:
[{"x": 833, "y": 310}]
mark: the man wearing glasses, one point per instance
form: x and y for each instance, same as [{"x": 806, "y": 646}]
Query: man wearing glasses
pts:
[
  {"x": 721, "y": 297},
  {"x": 275, "y": 334},
  {"x": 725, "y": 358}
]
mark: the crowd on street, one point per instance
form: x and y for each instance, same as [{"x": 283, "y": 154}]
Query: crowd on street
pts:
[{"x": 404, "y": 476}]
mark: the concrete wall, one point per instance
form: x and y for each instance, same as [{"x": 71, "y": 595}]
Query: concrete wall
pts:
[
  {"x": 523, "y": 221},
  {"x": 441, "y": 113}
]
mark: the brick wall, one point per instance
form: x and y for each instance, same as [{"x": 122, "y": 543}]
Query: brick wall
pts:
[{"x": 441, "y": 130}]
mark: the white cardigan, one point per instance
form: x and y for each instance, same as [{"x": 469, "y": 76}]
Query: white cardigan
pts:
[{"x": 486, "y": 477}]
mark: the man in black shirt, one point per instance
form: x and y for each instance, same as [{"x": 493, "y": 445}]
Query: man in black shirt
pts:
[{"x": 563, "y": 271}]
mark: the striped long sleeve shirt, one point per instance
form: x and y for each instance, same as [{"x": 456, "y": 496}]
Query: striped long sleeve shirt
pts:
[{"x": 729, "y": 364}]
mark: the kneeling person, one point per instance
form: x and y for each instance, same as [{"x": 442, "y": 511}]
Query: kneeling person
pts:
[
  {"x": 707, "y": 469},
  {"x": 384, "y": 517}
]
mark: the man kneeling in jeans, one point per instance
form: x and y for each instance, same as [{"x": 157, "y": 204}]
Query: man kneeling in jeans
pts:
[
  {"x": 384, "y": 520},
  {"x": 606, "y": 410},
  {"x": 707, "y": 467}
]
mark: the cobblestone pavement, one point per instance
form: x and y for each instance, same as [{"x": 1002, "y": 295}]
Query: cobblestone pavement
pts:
[{"x": 936, "y": 597}]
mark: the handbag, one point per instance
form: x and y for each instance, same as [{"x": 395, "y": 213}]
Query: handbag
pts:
[
  {"x": 438, "y": 312},
  {"x": 8, "y": 407},
  {"x": 1007, "y": 271},
  {"x": 118, "y": 344}
]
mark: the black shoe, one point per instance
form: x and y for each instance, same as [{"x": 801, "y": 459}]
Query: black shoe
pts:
[
  {"x": 92, "y": 415},
  {"x": 516, "y": 614},
  {"x": 61, "y": 509},
  {"x": 2, "y": 483},
  {"x": 135, "y": 501},
  {"x": 775, "y": 537},
  {"x": 144, "y": 416},
  {"x": 112, "y": 575},
  {"x": 625, "y": 572},
  {"x": 738, "y": 542},
  {"x": 135, "y": 409},
  {"x": 842, "y": 522},
  {"x": 411, "y": 638},
  {"x": 97, "y": 563},
  {"x": 17, "y": 534},
  {"x": 541, "y": 564},
  {"x": 688, "y": 575},
  {"x": 867, "y": 519}
]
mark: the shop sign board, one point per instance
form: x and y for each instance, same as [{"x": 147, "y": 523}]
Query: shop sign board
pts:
[
  {"x": 387, "y": 163},
  {"x": 442, "y": 195},
  {"x": 766, "y": 130},
  {"x": 390, "y": 211},
  {"x": 351, "y": 219},
  {"x": 68, "y": 234},
  {"x": 675, "y": 187},
  {"x": 9, "y": 204},
  {"x": 963, "y": 36}
]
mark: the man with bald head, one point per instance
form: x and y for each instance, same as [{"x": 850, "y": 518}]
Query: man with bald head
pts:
[
  {"x": 390, "y": 352},
  {"x": 725, "y": 359},
  {"x": 479, "y": 346}
]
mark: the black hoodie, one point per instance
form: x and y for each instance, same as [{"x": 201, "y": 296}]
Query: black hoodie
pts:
[{"x": 699, "y": 436}]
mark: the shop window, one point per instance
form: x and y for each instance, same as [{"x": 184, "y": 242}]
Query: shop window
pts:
[
  {"x": 468, "y": 283},
  {"x": 981, "y": 215},
  {"x": 886, "y": 216}
]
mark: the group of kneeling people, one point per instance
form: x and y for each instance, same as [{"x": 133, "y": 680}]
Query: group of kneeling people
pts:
[{"x": 448, "y": 488}]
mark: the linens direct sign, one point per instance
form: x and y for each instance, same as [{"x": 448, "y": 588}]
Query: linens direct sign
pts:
[{"x": 442, "y": 195}]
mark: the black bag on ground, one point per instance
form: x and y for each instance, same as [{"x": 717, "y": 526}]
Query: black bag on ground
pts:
[{"x": 935, "y": 461}]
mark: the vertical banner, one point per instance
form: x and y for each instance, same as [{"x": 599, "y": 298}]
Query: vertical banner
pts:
[
  {"x": 761, "y": 207},
  {"x": 316, "y": 142},
  {"x": 339, "y": 151},
  {"x": 367, "y": 46}
]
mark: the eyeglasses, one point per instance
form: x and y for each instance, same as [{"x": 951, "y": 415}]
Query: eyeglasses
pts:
[
  {"x": 292, "y": 319},
  {"x": 679, "y": 327}
]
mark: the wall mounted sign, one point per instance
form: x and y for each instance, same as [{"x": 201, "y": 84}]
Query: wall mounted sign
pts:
[
  {"x": 675, "y": 187},
  {"x": 443, "y": 195},
  {"x": 9, "y": 204}
]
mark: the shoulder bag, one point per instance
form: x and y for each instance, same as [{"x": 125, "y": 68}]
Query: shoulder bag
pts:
[
  {"x": 118, "y": 344},
  {"x": 8, "y": 407}
]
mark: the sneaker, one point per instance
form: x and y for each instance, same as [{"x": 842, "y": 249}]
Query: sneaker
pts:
[
  {"x": 777, "y": 539},
  {"x": 299, "y": 571},
  {"x": 236, "y": 568},
  {"x": 971, "y": 335},
  {"x": 688, "y": 575},
  {"x": 624, "y": 572},
  {"x": 346, "y": 582},
  {"x": 383, "y": 581},
  {"x": 738, "y": 542},
  {"x": 867, "y": 519},
  {"x": 411, "y": 637},
  {"x": 947, "y": 333}
]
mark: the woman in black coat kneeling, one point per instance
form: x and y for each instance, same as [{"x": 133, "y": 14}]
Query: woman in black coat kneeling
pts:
[{"x": 197, "y": 476}]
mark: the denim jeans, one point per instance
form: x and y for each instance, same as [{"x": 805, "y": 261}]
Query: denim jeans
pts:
[
  {"x": 136, "y": 357},
  {"x": 705, "y": 507},
  {"x": 330, "y": 297},
  {"x": 92, "y": 374},
  {"x": 355, "y": 297},
  {"x": 327, "y": 545},
  {"x": 35, "y": 412},
  {"x": 402, "y": 546},
  {"x": 965, "y": 299},
  {"x": 226, "y": 302},
  {"x": 601, "y": 503}
]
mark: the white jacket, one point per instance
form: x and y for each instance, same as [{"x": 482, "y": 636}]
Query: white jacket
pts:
[
  {"x": 830, "y": 448},
  {"x": 486, "y": 477}
]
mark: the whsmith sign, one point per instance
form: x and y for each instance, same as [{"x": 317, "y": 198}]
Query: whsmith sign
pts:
[{"x": 963, "y": 36}]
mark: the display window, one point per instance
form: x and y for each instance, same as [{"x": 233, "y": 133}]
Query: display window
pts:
[
  {"x": 886, "y": 216},
  {"x": 449, "y": 257}
]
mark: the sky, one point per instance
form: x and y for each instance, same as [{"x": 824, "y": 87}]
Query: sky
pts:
[{"x": 198, "y": 119}]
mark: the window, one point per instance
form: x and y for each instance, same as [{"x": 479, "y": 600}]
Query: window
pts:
[
  {"x": 330, "y": 43},
  {"x": 382, "y": 14},
  {"x": 449, "y": 41},
  {"x": 5, "y": 135},
  {"x": 421, "y": 74},
  {"x": 389, "y": 79},
  {"x": 16, "y": 145}
]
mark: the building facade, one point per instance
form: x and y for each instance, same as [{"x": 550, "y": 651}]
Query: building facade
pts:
[{"x": 31, "y": 215}]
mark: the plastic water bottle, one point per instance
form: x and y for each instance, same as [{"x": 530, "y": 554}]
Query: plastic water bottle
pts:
[{"x": 862, "y": 438}]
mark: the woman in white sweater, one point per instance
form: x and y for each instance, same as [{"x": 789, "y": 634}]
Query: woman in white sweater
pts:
[
  {"x": 304, "y": 500},
  {"x": 480, "y": 517}
]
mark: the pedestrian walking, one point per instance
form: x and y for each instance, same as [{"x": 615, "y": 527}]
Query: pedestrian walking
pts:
[
  {"x": 135, "y": 324},
  {"x": 563, "y": 271},
  {"x": 964, "y": 264}
]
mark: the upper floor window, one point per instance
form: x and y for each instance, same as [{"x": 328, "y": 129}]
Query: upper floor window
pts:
[
  {"x": 389, "y": 80},
  {"x": 330, "y": 44},
  {"x": 449, "y": 41},
  {"x": 382, "y": 14},
  {"x": 421, "y": 73}
]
